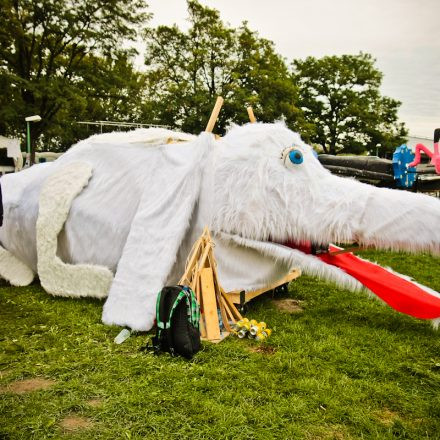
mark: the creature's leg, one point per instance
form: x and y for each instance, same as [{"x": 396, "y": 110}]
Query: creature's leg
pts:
[
  {"x": 13, "y": 270},
  {"x": 56, "y": 277}
]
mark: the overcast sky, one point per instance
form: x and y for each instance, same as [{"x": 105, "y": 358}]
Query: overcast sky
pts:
[{"x": 403, "y": 35}]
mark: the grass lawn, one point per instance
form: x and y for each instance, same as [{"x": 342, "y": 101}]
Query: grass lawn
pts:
[{"x": 344, "y": 367}]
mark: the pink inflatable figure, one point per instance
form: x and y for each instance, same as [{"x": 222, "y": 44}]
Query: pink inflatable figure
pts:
[{"x": 435, "y": 156}]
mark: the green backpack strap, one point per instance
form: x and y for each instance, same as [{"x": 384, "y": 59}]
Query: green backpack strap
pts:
[
  {"x": 193, "y": 306},
  {"x": 161, "y": 320},
  {"x": 180, "y": 297}
]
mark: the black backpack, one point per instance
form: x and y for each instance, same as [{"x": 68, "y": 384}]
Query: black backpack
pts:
[{"x": 177, "y": 317}]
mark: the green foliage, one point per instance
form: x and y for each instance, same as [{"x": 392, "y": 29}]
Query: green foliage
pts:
[
  {"x": 57, "y": 59},
  {"x": 112, "y": 94},
  {"x": 347, "y": 367},
  {"x": 187, "y": 70},
  {"x": 340, "y": 97},
  {"x": 69, "y": 61}
]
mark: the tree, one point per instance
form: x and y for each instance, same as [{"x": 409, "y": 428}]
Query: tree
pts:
[
  {"x": 110, "y": 89},
  {"x": 341, "y": 100},
  {"x": 187, "y": 70},
  {"x": 52, "y": 51}
]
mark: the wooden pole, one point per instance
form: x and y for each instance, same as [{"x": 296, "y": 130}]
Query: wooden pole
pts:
[
  {"x": 349, "y": 249},
  {"x": 252, "y": 117},
  {"x": 214, "y": 114}
]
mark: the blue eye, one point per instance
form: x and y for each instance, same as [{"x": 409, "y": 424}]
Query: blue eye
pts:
[{"x": 296, "y": 157}]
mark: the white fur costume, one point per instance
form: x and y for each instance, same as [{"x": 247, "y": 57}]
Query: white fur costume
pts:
[{"x": 147, "y": 201}]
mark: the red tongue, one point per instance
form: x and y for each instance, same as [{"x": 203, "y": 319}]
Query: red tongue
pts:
[{"x": 402, "y": 295}]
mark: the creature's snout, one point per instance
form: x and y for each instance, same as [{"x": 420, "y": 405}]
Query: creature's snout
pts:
[{"x": 341, "y": 210}]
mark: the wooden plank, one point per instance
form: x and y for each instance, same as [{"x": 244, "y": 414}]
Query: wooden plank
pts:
[
  {"x": 234, "y": 296},
  {"x": 214, "y": 115},
  {"x": 218, "y": 290},
  {"x": 209, "y": 304},
  {"x": 202, "y": 327}
]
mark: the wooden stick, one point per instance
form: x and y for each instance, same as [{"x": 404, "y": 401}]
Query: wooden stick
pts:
[
  {"x": 204, "y": 257},
  {"x": 349, "y": 249},
  {"x": 232, "y": 306},
  {"x": 192, "y": 261},
  {"x": 194, "y": 280},
  {"x": 222, "y": 308},
  {"x": 228, "y": 310},
  {"x": 252, "y": 117},
  {"x": 218, "y": 293},
  {"x": 214, "y": 115}
]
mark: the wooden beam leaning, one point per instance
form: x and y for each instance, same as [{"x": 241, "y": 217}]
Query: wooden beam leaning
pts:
[
  {"x": 251, "y": 115},
  {"x": 212, "y": 324},
  {"x": 214, "y": 114},
  {"x": 194, "y": 256}
]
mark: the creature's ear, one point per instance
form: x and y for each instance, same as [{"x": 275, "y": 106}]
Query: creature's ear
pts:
[{"x": 156, "y": 233}]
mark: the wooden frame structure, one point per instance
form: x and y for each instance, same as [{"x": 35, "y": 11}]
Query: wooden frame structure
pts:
[
  {"x": 217, "y": 310},
  {"x": 217, "y": 307}
]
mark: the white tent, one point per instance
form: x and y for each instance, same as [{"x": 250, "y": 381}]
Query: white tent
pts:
[{"x": 13, "y": 151}]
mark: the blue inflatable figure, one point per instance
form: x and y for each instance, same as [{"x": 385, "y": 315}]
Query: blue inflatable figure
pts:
[{"x": 403, "y": 175}]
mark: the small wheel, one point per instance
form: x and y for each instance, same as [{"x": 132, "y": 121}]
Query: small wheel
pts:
[
  {"x": 243, "y": 308},
  {"x": 282, "y": 290}
]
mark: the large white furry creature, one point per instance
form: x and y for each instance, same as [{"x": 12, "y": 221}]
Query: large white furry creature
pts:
[{"x": 135, "y": 204}]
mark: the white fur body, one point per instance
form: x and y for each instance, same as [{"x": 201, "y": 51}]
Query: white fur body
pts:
[{"x": 147, "y": 201}]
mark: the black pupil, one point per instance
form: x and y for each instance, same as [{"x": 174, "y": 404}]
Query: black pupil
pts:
[{"x": 297, "y": 155}]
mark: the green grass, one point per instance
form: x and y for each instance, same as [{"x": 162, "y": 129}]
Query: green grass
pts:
[{"x": 346, "y": 367}]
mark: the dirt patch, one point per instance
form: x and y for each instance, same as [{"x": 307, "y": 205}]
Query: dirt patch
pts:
[
  {"x": 387, "y": 417},
  {"x": 263, "y": 349},
  {"x": 334, "y": 433},
  {"x": 75, "y": 423},
  {"x": 289, "y": 305},
  {"x": 28, "y": 385},
  {"x": 95, "y": 403}
]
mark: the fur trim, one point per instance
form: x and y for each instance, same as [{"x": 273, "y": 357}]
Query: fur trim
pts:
[
  {"x": 13, "y": 270},
  {"x": 56, "y": 277}
]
